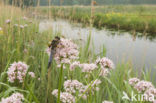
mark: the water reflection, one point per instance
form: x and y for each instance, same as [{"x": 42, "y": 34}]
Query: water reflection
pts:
[{"x": 121, "y": 46}]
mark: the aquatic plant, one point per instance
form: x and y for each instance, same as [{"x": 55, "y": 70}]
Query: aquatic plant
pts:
[
  {"x": 8, "y": 21},
  {"x": 1, "y": 30},
  {"x": 65, "y": 97},
  {"x": 74, "y": 65},
  {"x": 144, "y": 87},
  {"x": 88, "y": 68},
  {"x": 17, "y": 71},
  {"x": 32, "y": 74},
  {"x": 14, "y": 98},
  {"x": 72, "y": 86},
  {"x": 66, "y": 52}
]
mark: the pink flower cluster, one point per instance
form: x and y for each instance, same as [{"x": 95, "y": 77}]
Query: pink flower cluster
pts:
[
  {"x": 14, "y": 98},
  {"x": 16, "y": 25},
  {"x": 144, "y": 87},
  {"x": 74, "y": 65},
  {"x": 72, "y": 86},
  {"x": 32, "y": 74},
  {"x": 106, "y": 64},
  {"x": 88, "y": 68},
  {"x": 18, "y": 71},
  {"x": 1, "y": 31},
  {"x": 133, "y": 81},
  {"x": 65, "y": 97},
  {"x": 21, "y": 26},
  {"x": 66, "y": 52},
  {"x": 25, "y": 18},
  {"x": 151, "y": 91},
  {"x": 8, "y": 21}
]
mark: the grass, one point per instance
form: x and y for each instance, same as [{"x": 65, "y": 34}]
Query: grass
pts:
[
  {"x": 28, "y": 45},
  {"x": 130, "y": 18}
]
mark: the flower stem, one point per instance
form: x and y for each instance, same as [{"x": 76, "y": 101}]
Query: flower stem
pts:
[{"x": 60, "y": 82}]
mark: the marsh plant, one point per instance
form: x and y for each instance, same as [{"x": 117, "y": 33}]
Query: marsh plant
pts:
[{"x": 66, "y": 57}]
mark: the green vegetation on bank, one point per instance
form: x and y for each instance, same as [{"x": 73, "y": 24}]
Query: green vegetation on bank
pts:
[{"x": 129, "y": 18}]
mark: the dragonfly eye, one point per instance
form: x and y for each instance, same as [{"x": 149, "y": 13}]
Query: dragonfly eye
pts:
[{"x": 58, "y": 38}]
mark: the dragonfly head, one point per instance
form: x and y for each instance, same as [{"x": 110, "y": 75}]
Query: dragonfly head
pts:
[{"x": 54, "y": 42}]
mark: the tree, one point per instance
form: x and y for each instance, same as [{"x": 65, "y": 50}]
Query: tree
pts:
[{"x": 23, "y": 3}]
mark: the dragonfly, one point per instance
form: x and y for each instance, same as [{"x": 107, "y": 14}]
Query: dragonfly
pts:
[{"x": 53, "y": 47}]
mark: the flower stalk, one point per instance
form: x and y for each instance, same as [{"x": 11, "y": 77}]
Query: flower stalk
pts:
[{"x": 60, "y": 83}]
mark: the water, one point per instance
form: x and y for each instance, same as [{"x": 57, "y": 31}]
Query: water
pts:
[{"x": 121, "y": 47}]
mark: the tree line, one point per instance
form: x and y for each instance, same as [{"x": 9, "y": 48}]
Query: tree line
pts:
[{"x": 78, "y": 2}]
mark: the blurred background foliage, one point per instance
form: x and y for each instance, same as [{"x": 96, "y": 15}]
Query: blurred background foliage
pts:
[{"x": 79, "y": 2}]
